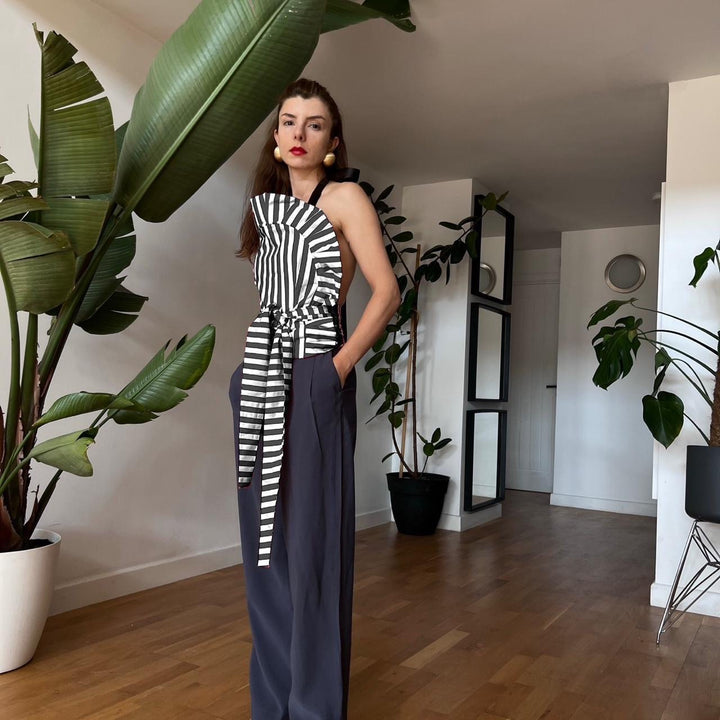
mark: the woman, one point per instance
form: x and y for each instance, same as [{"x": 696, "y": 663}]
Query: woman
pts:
[{"x": 293, "y": 399}]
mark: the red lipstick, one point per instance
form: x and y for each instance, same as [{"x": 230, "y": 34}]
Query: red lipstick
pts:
[{"x": 298, "y": 151}]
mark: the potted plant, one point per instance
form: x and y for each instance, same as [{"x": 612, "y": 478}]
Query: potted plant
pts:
[
  {"x": 65, "y": 238},
  {"x": 616, "y": 348},
  {"x": 416, "y": 496}
]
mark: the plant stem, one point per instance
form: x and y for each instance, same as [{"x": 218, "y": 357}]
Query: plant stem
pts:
[
  {"x": 13, "y": 406},
  {"x": 659, "y": 344},
  {"x": 38, "y": 510},
  {"x": 68, "y": 312},
  {"x": 714, "y": 351},
  {"x": 715, "y": 414},
  {"x": 697, "y": 427},
  {"x": 713, "y": 335},
  {"x": 29, "y": 407}
]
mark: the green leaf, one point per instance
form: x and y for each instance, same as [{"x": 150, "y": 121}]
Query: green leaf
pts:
[
  {"x": 395, "y": 220},
  {"x": 403, "y": 237},
  {"x": 457, "y": 252},
  {"x": 380, "y": 379},
  {"x": 607, "y": 310},
  {"x": 385, "y": 192},
  {"x": 81, "y": 219},
  {"x": 490, "y": 202},
  {"x": 664, "y": 416},
  {"x": 5, "y": 169},
  {"x": 38, "y": 263},
  {"x": 77, "y": 136},
  {"x": 341, "y": 13},
  {"x": 390, "y": 454},
  {"x": 116, "y": 314},
  {"x": 392, "y": 390},
  {"x": 436, "y": 435},
  {"x": 442, "y": 443},
  {"x": 450, "y": 225},
  {"x": 34, "y": 140},
  {"x": 160, "y": 385},
  {"x": 428, "y": 449},
  {"x": 18, "y": 206},
  {"x": 105, "y": 282},
  {"x": 472, "y": 243},
  {"x": 367, "y": 187},
  {"x": 396, "y": 418},
  {"x": 662, "y": 363},
  {"x": 67, "y": 452},
  {"x": 79, "y": 404},
  {"x": 701, "y": 263},
  {"x": 433, "y": 271},
  {"x": 210, "y": 86},
  {"x": 392, "y": 354},
  {"x": 616, "y": 348},
  {"x": 377, "y": 347},
  {"x": 374, "y": 360}
]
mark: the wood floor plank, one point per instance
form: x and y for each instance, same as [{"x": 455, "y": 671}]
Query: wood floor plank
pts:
[{"x": 542, "y": 615}]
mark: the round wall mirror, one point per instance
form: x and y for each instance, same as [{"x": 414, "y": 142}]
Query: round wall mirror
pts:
[
  {"x": 487, "y": 279},
  {"x": 625, "y": 273}
]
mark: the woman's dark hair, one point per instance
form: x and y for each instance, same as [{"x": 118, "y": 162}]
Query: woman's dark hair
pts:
[{"x": 273, "y": 176}]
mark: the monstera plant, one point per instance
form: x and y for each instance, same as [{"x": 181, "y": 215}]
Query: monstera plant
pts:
[
  {"x": 65, "y": 239},
  {"x": 616, "y": 347}
]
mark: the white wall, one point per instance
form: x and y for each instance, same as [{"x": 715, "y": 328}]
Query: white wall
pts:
[
  {"x": 162, "y": 503},
  {"x": 442, "y": 340},
  {"x": 691, "y": 221},
  {"x": 603, "y": 451}
]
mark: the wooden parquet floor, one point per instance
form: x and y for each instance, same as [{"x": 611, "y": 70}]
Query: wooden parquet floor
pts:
[{"x": 541, "y": 615}]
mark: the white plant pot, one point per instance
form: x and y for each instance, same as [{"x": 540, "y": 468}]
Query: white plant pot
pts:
[{"x": 27, "y": 579}]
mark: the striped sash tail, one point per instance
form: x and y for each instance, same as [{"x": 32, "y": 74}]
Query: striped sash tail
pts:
[{"x": 267, "y": 372}]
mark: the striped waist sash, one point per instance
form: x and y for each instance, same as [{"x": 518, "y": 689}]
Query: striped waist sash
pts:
[{"x": 274, "y": 338}]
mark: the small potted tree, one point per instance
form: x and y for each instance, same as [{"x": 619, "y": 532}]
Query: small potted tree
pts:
[{"x": 416, "y": 496}]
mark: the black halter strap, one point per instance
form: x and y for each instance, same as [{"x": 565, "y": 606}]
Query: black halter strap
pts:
[{"x": 317, "y": 191}]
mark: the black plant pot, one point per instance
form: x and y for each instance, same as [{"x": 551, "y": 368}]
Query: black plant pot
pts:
[
  {"x": 702, "y": 483},
  {"x": 417, "y": 502}
]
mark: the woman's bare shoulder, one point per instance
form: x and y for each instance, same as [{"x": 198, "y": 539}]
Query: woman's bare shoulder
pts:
[{"x": 346, "y": 196}]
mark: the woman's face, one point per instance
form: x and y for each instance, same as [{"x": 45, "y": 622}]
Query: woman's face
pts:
[{"x": 303, "y": 132}]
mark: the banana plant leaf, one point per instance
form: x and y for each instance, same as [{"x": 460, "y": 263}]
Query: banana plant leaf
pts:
[
  {"x": 160, "y": 385},
  {"x": 67, "y": 452},
  {"x": 210, "y": 86},
  {"x": 38, "y": 265},
  {"x": 5, "y": 169},
  {"x": 76, "y": 144},
  {"x": 80, "y": 403},
  {"x": 341, "y": 13}
]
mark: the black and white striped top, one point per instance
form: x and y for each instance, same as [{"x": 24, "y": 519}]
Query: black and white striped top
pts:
[{"x": 298, "y": 273}]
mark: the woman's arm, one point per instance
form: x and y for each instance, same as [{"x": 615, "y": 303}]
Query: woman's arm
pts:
[{"x": 359, "y": 224}]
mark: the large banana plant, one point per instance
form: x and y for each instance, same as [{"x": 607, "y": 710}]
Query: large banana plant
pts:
[{"x": 65, "y": 239}]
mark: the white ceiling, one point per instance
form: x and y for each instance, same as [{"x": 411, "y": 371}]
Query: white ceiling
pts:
[{"x": 561, "y": 102}]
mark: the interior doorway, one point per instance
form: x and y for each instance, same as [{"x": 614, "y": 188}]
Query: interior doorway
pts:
[{"x": 533, "y": 370}]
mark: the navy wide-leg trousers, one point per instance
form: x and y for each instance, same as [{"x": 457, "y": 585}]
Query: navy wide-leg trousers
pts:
[{"x": 300, "y": 607}]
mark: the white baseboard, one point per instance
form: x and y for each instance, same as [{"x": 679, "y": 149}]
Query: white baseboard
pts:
[
  {"x": 625, "y": 507},
  {"x": 708, "y": 604},
  {"x": 106, "y": 586},
  {"x": 373, "y": 518}
]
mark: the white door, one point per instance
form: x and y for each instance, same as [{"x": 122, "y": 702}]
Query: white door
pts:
[{"x": 533, "y": 370}]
